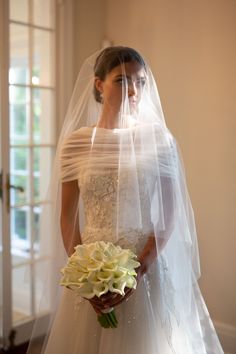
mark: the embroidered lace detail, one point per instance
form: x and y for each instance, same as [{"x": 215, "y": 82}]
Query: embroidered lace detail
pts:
[{"x": 99, "y": 194}]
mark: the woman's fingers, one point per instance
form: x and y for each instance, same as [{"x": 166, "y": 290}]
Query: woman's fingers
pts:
[
  {"x": 110, "y": 300},
  {"x": 107, "y": 296},
  {"x": 97, "y": 309},
  {"x": 118, "y": 299}
]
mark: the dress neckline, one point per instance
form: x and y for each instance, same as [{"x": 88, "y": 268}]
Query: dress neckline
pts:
[{"x": 113, "y": 130}]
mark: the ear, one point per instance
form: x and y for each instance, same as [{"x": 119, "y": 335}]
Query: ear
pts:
[{"x": 98, "y": 84}]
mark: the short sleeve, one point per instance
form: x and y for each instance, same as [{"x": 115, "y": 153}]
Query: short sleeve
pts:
[{"x": 69, "y": 157}]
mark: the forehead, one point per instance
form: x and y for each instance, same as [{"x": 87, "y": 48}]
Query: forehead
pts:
[{"x": 132, "y": 68}]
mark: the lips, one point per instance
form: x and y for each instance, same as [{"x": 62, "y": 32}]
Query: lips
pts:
[{"x": 133, "y": 102}]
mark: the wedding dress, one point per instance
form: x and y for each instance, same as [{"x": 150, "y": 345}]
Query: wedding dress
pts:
[
  {"x": 147, "y": 324},
  {"x": 132, "y": 187}
]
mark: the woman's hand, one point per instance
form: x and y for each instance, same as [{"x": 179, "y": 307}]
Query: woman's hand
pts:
[
  {"x": 110, "y": 299},
  {"x": 146, "y": 258},
  {"x": 148, "y": 255}
]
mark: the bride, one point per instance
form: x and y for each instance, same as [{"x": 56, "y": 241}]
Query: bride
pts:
[{"x": 118, "y": 177}]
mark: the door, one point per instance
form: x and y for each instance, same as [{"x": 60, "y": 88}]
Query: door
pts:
[{"x": 27, "y": 96}]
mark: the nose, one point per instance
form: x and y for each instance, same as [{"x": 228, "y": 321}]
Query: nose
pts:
[{"x": 132, "y": 90}]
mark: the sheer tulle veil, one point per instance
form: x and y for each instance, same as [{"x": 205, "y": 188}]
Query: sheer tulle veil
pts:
[{"x": 143, "y": 154}]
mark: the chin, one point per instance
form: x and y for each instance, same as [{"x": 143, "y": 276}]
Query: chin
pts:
[{"x": 133, "y": 108}]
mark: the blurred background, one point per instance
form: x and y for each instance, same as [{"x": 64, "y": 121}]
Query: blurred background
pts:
[{"x": 191, "y": 48}]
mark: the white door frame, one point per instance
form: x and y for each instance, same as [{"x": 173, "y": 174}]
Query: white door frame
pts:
[
  {"x": 4, "y": 164},
  {"x": 65, "y": 72}
]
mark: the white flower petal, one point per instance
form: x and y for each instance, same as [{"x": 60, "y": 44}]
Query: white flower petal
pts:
[
  {"x": 100, "y": 288},
  {"x": 105, "y": 275},
  {"x": 117, "y": 287},
  {"x": 95, "y": 268},
  {"x": 86, "y": 290}
]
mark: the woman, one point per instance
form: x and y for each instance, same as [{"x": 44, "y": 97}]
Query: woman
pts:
[{"x": 121, "y": 180}]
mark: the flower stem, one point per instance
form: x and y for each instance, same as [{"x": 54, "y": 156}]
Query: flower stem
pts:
[{"x": 108, "y": 320}]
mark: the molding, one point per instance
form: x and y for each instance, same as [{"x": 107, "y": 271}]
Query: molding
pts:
[
  {"x": 227, "y": 336},
  {"x": 5, "y": 265},
  {"x": 65, "y": 58}
]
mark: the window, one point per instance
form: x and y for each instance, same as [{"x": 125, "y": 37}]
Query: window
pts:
[{"x": 32, "y": 139}]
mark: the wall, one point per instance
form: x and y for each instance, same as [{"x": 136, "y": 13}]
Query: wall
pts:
[
  {"x": 89, "y": 29},
  {"x": 191, "y": 48}
]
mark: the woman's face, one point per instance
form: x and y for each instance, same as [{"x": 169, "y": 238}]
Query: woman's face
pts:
[{"x": 127, "y": 78}]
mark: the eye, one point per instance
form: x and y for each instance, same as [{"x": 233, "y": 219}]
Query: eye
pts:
[
  {"x": 141, "y": 82},
  {"x": 124, "y": 80},
  {"x": 119, "y": 81}
]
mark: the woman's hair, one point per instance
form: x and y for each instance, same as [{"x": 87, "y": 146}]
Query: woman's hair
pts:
[{"x": 111, "y": 57}]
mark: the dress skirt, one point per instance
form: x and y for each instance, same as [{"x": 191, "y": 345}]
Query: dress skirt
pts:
[{"x": 141, "y": 329}]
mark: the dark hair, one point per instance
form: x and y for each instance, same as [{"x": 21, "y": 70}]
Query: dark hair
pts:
[{"x": 111, "y": 57}]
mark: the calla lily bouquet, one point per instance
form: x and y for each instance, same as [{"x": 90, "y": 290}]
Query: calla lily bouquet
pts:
[{"x": 97, "y": 268}]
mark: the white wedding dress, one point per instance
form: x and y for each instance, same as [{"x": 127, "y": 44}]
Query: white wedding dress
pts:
[{"x": 145, "y": 324}]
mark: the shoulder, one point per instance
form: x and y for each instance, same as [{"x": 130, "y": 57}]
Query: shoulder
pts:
[
  {"x": 73, "y": 152},
  {"x": 76, "y": 140},
  {"x": 78, "y": 134}
]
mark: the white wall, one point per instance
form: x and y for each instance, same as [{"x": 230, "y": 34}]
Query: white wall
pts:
[{"x": 90, "y": 23}]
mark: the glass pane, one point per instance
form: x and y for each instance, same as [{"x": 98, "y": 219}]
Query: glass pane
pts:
[
  {"x": 19, "y": 10},
  {"x": 19, "y": 115},
  {"x": 19, "y": 256},
  {"x": 20, "y": 234},
  {"x": 19, "y": 197},
  {"x": 21, "y": 297},
  {"x": 42, "y": 295},
  {"x": 20, "y": 161},
  {"x": 42, "y": 226},
  {"x": 43, "y": 124},
  {"x": 19, "y": 175},
  {"x": 42, "y": 171},
  {"x": 43, "y": 13},
  {"x": 43, "y": 58},
  {"x": 19, "y": 58}
]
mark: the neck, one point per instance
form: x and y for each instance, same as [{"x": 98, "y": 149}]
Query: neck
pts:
[{"x": 108, "y": 119}]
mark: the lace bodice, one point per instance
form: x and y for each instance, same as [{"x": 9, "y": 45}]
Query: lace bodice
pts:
[
  {"x": 103, "y": 219},
  {"x": 121, "y": 176}
]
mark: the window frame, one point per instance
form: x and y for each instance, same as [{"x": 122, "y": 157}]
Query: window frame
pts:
[{"x": 64, "y": 74}]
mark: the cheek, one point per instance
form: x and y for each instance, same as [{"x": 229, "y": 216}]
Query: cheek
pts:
[
  {"x": 114, "y": 95},
  {"x": 139, "y": 94}
]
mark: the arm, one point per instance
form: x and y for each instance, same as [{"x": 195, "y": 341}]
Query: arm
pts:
[
  {"x": 70, "y": 216},
  {"x": 151, "y": 249}
]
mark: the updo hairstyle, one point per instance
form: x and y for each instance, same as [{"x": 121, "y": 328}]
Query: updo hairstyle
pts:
[{"x": 111, "y": 57}]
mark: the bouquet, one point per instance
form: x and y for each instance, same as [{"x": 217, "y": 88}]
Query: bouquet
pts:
[{"x": 95, "y": 269}]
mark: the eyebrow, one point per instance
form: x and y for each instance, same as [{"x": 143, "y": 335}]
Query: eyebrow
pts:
[
  {"x": 128, "y": 77},
  {"x": 122, "y": 75}
]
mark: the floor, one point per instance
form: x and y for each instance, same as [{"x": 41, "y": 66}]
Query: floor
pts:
[
  {"x": 22, "y": 350},
  {"x": 18, "y": 350}
]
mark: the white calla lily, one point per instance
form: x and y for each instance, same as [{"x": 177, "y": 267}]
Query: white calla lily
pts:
[
  {"x": 105, "y": 275},
  {"x": 117, "y": 287},
  {"x": 93, "y": 269},
  {"x": 100, "y": 288}
]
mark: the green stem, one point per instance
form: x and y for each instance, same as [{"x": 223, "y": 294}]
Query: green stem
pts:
[{"x": 108, "y": 320}]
